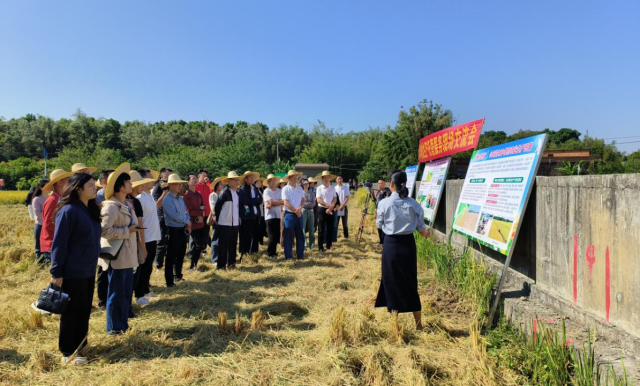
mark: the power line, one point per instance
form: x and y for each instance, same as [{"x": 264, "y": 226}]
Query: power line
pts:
[
  {"x": 631, "y": 136},
  {"x": 622, "y": 143}
]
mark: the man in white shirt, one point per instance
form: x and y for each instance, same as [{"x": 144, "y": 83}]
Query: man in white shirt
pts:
[
  {"x": 152, "y": 234},
  {"x": 272, "y": 213},
  {"x": 293, "y": 197},
  {"x": 343, "y": 193},
  {"x": 228, "y": 221},
  {"x": 326, "y": 196}
]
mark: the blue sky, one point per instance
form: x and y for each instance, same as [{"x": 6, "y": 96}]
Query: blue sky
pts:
[{"x": 352, "y": 64}]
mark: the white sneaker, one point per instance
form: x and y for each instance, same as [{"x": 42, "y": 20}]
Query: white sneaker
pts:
[
  {"x": 143, "y": 301},
  {"x": 75, "y": 361},
  {"x": 150, "y": 295}
]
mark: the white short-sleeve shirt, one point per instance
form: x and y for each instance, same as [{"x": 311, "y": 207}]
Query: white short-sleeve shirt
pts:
[
  {"x": 326, "y": 194},
  {"x": 293, "y": 195},
  {"x": 275, "y": 211},
  {"x": 343, "y": 193}
]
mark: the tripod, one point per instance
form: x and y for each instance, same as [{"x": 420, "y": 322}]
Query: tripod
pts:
[{"x": 364, "y": 215}]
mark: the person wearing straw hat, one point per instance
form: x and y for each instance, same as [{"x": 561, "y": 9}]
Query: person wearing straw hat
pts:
[
  {"x": 293, "y": 198},
  {"x": 313, "y": 187},
  {"x": 196, "y": 208},
  {"x": 178, "y": 222},
  {"x": 261, "y": 184},
  {"x": 152, "y": 233},
  {"x": 227, "y": 212},
  {"x": 57, "y": 179},
  {"x": 250, "y": 201},
  {"x": 119, "y": 222},
  {"x": 136, "y": 188},
  {"x": 159, "y": 192},
  {"x": 273, "y": 213},
  {"x": 326, "y": 196},
  {"x": 81, "y": 168},
  {"x": 216, "y": 188},
  {"x": 75, "y": 251}
]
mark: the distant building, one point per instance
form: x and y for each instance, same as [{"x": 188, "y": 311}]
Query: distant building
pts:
[{"x": 311, "y": 170}]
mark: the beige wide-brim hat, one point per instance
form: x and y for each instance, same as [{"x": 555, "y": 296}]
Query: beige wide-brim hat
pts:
[
  {"x": 55, "y": 176},
  {"x": 232, "y": 175},
  {"x": 213, "y": 183},
  {"x": 311, "y": 179},
  {"x": 137, "y": 180},
  {"x": 99, "y": 185},
  {"x": 174, "y": 178},
  {"x": 249, "y": 173},
  {"x": 79, "y": 166},
  {"x": 327, "y": 174},
  {"x": 269, "y": 178},
  {"x": 291, "y": 173},
  {"x": 111, "y": 180},
  {"x": 154, "y": 174},
  {"x": 282, "y": 181}
]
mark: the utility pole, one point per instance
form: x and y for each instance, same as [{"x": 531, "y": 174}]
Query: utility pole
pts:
[{"x": 278, "y": 148}]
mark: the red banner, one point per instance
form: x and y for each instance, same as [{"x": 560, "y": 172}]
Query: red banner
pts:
[{"x": 450, "y": 141}]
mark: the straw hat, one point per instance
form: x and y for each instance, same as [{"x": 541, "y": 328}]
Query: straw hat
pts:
[
  {"x": 248, "y": 173},
  {"x": 213, "y": 183},
  {"x": 154, "y": 174},
  {"x": 269, "y": 178},
  {"x": 232, "y": 175},
  {"x": 56, "y": 176},
  {"x": 311, "y": 179},
  {"x": 137, "y": 180},
  {"x": 99, "y": 185},
  {"x": 291, "y": 173},
  {"x": 327, "y": 174},
  {"x": 174, "y": 178},
  {"x": 282, "y": 181},
  {"x": 80, "y": 166},
  {"x": 111, "y": 181}
]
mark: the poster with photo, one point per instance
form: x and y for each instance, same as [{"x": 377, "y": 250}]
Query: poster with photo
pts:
[
  {"x": 496, "y": 190},
  {"x": 411, "y": 171},
  {"x": 431, "y": 185}
]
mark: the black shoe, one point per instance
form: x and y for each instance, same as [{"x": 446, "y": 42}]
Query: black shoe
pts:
[
  {"x": 232, "y": 266},
  {"x": 178, "y": 278},
  {"x": 132, "y": 315},
  {"x": 115, "y": 332},
  {"x": 321, "y": 250},
  {"x": 171, "y": 285}
]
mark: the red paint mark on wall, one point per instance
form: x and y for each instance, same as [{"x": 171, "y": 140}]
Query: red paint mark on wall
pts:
[
  {"x": 591, "y": 257},
  {"x": 607, "y": 285},
  {"x": 575, "y": 268}
]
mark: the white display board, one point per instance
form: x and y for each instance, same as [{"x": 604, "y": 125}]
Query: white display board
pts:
[
  {"x": 412, "y": 172},
  {"x": 431, "y": 185}
]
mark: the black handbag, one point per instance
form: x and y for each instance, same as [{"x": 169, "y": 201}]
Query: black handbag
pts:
[{"x": 53, "y": 300}]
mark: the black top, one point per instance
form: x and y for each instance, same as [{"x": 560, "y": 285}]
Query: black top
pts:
[
  {"x": 156, "y": 193},
  {"x": 137, "y": 206},
  {"x": 248, "y": 203}
]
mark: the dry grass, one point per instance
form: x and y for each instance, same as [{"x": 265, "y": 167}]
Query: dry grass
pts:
[
  {"x": 310, "y": 322},
  {"x": 13, "y": 197}
]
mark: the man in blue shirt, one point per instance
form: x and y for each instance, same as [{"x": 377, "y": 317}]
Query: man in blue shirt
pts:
[{"x": 178, "y": 222}]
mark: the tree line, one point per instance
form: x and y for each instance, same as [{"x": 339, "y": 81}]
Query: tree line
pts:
[{"x": 187, "y": 146}]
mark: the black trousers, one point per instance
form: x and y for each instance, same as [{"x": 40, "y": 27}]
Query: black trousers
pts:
[
  {"x": 206, "y": 233},
  {"x": 273, "y": 232},
  {"x": 256, "y": 235},
  {"x": 176, "y": 248},
  {"x": 247, "y": 230},
  {"x": 196, "y": 245},
  {"x": 74, "y": 323},
  {"x": 325, "y": 223},
  {"x": 381, "y": 236},
  {"x": 227, "y": 244},
  {"x": 145, "y": 270},
  {"x": 102, "y": 286},
  {"x": 161, "y": 250},
  {"x": 262, "y": 225},
  {"x": 345, "y": 227}
]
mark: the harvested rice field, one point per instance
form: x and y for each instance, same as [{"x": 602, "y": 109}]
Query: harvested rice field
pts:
[{"x": 266, "y": 323}]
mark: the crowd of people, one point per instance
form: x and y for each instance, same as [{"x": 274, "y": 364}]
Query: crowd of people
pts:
[{"x": 156, "y": 218}]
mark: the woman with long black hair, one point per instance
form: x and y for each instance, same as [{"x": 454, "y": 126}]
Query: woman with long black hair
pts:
[
  {"x": 399, "y": 216},
  {"x": 74, "y": 256},
  {"x": 37, "y": 202}
]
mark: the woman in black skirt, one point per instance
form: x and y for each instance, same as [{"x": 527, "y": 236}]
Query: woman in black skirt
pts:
[{"x": 398, "y": 216}]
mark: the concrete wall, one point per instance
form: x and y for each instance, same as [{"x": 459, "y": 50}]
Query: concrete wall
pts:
[{"x": 579, "y": 241}]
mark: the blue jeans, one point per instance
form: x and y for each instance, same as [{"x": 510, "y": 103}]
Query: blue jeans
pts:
[
  {"x": 308, "y": 219},
  {"x": 293, "y": 226},
  {"x": 36, "y": 233},
  {"x": 119, "y": 299}
]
